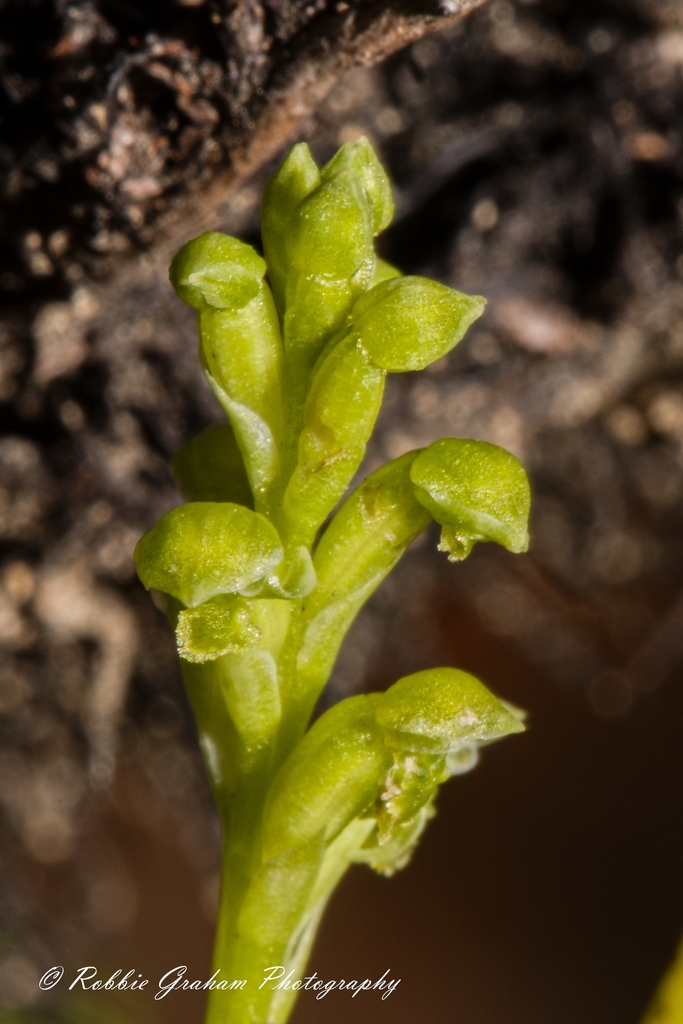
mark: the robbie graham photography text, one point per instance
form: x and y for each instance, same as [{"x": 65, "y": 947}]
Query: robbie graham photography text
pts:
[{"x": 277, "y": 978}]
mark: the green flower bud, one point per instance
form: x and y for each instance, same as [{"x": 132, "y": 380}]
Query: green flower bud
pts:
[
  {"x": 477, "y": 491},
  {"x": 218, "y": 271},
  {"x": 330, "y": 778},
  {"x": 441, "y": 710},
  {"x": 282, "y": 194},
  {"x": 360, "y": 157},
  {"x": 206, "y": 548},
  {"x": 332, "y": 262},
  {"x": 406, "y": 323}
]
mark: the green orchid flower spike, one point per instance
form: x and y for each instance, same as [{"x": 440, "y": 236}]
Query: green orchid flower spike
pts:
[{"x": 261, "y": 586}]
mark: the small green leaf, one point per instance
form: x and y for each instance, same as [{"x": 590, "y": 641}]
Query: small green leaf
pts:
[
  {"x": 218, "y": 271},
  {"x": 330, "y": 778},
  {"x": 360, "y": 157},
  {"x": 210, "y": 467},
  {"x": 206, "y": 548},
  {"x": 477, "y": 491},
  {"x": 406, "y": 323},
  {"x": 442, "y": 710},
  {"x": 221, "y": 625}
]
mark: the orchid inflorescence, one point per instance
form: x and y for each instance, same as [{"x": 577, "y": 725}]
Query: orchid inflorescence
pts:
[{"x": 261, "y": 581}]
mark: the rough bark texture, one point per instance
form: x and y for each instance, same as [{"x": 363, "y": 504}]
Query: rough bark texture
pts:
[{"x": 115, "y": 114}]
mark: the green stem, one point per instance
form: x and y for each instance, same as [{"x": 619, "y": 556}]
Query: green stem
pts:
[
  {"x": 250, "y": 688},
  {"x": 337, "y": 860}
]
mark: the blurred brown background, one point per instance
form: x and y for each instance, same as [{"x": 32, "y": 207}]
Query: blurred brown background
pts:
[{"x": 537, "y": 155}]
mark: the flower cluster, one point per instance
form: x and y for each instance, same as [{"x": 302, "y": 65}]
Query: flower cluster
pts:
[{"x": 261, "y": 585}]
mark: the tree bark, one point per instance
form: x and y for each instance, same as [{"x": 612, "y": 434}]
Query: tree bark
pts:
[{"x": 127, "y": 125}]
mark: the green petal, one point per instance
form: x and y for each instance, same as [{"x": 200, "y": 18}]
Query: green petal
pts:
[{"x": 332, "y": 229}]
